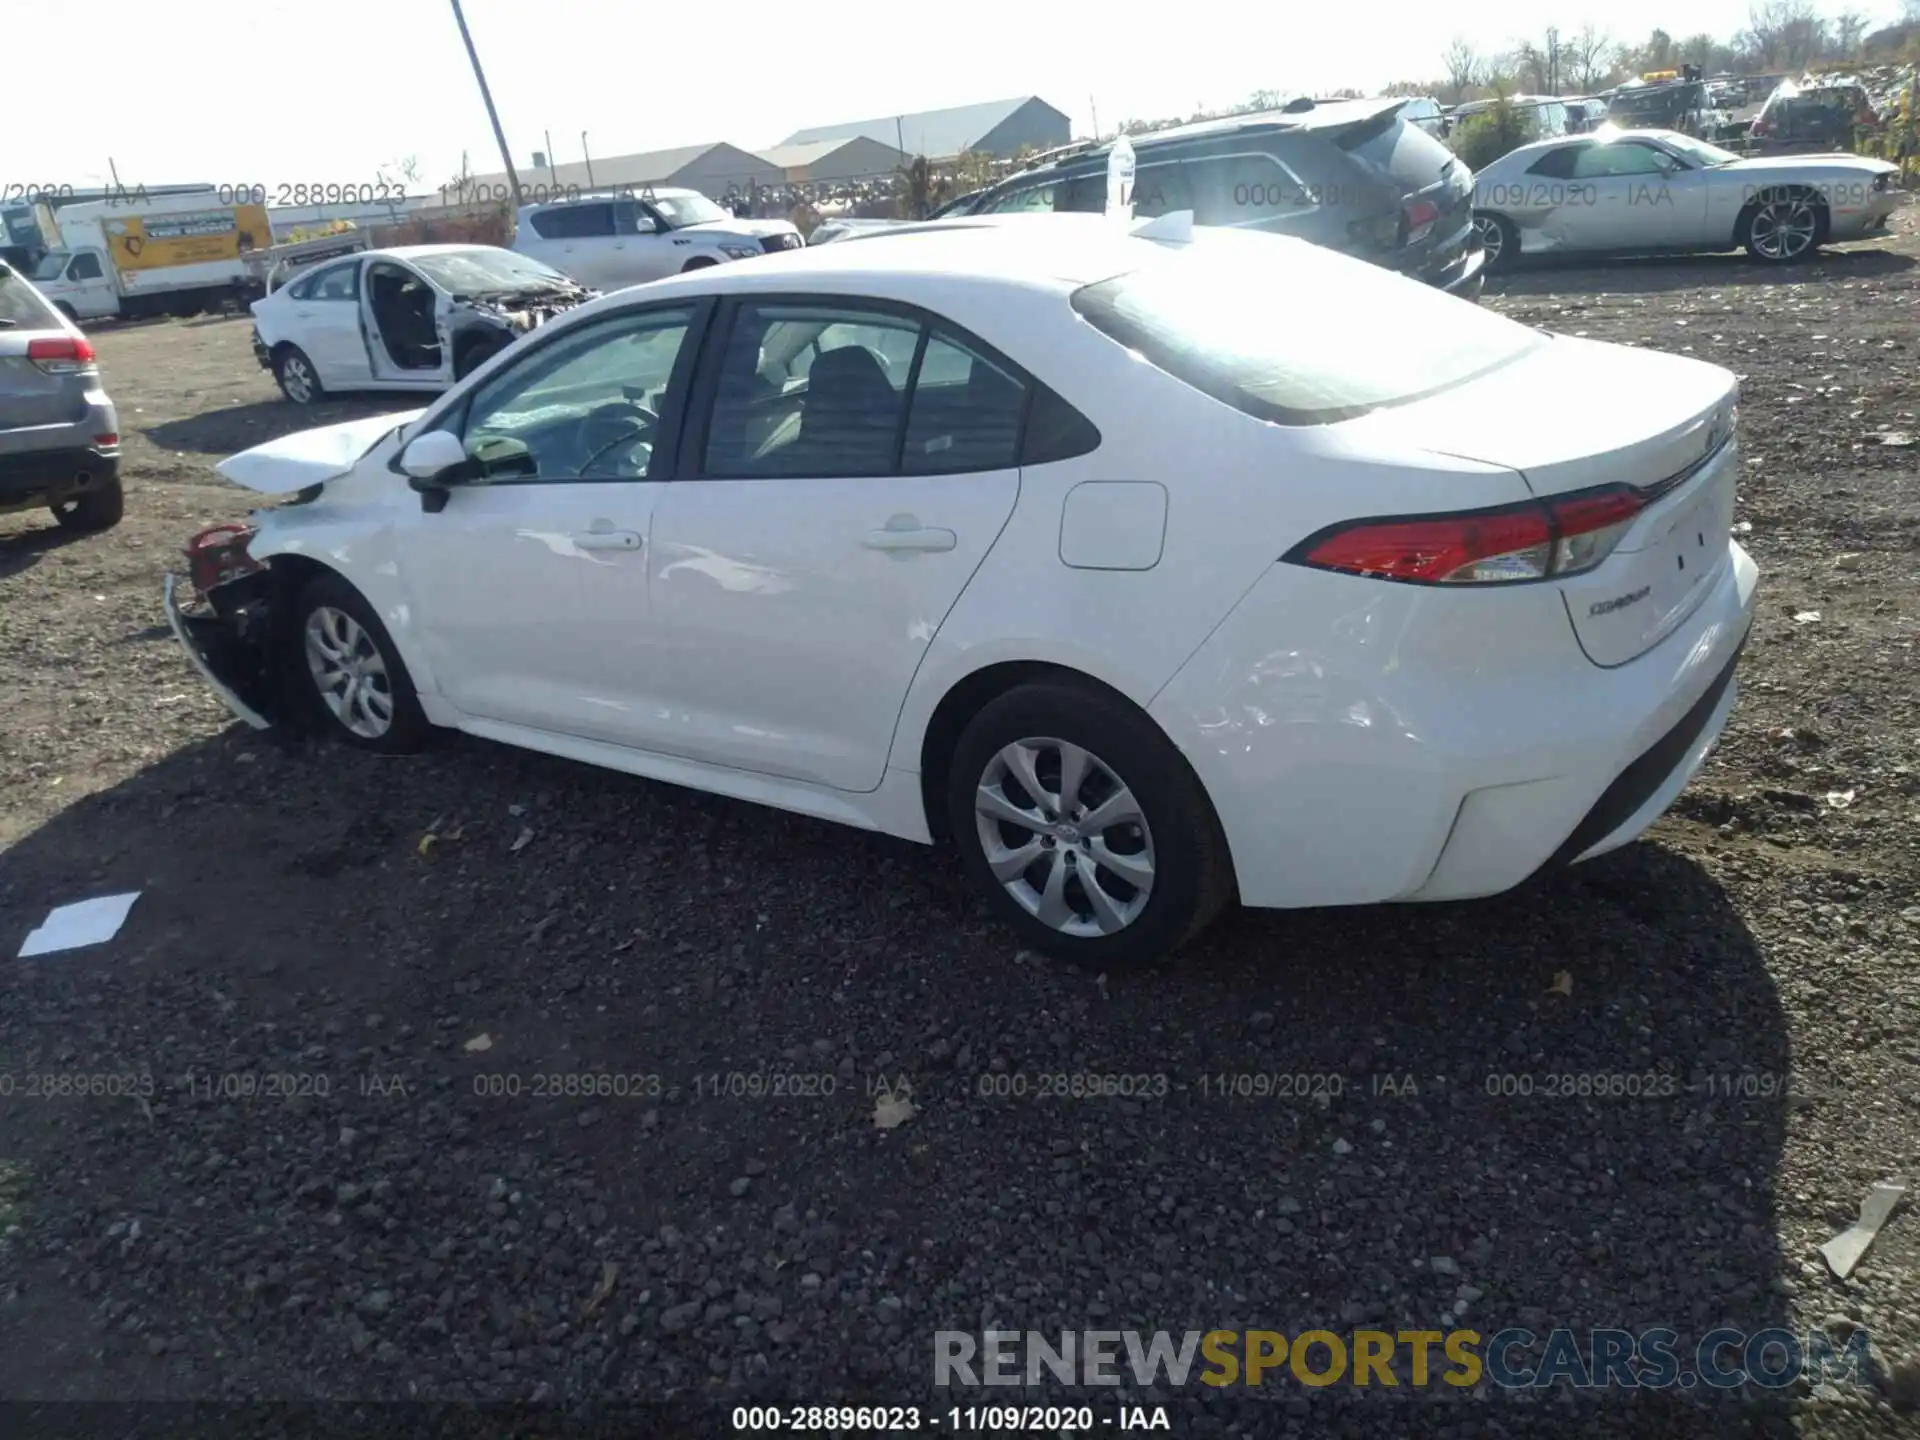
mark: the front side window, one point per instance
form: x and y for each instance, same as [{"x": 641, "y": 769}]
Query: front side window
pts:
[
  {"x": 1301, "y": 336},
  {"x": 1623, "y": 158},
  {"x": 585, "y": 406},
  {"x": 85, "y": 267}
]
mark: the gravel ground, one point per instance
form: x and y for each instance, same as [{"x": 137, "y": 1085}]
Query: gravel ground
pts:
[{"x": 330, "y": 1187}]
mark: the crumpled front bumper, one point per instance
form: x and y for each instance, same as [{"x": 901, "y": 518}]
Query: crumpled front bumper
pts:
[{"x": 235, "y": 670}]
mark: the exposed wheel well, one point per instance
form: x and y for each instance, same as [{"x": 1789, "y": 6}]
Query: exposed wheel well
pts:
[
  {"x": 699, "y": 262},
  {"x": 67, "y": 310},
  {"x": 966, "y": 700}
]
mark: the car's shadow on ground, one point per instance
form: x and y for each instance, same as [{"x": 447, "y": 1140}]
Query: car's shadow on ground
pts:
[
  {"x": 237, "y": 427},
  {"x": 1544, "y": 1091},
  {"x": 1554, "y": 275},
  {"x": 21, "y": 550}
]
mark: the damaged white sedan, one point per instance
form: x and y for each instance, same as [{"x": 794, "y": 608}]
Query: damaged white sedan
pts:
[{"x": 417, "y": 317}]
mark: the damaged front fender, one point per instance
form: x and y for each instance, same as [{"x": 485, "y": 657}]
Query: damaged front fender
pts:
[{"x": 237, "y": 668}]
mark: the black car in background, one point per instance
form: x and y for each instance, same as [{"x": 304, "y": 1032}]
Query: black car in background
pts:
[{"x": 1356, "y": 176}]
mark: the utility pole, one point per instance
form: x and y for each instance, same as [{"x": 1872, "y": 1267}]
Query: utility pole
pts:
[
  {"x": 588, "y": 158},
  {"x": 1096, "y": 116},
  {"x": 553, "y": 179},
  {"x": 499, "y": 135}
]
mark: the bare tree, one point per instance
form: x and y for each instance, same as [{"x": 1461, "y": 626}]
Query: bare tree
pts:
[
  {"x": 1910, "y": 12},
  {"x": 1849, "y": 27},
  {"x": 1787, "y": 33},
  {"x": 1465, "y": 67},
  {"x": 1588, "y": 58}
]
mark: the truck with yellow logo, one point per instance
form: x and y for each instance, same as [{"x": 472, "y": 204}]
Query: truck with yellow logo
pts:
[{"x": 130, "y": 255}]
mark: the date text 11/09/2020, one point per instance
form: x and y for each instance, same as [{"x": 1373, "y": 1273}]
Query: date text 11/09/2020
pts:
[{"x": 991, "y": 1419}]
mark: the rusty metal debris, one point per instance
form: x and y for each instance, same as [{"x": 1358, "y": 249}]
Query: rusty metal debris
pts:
[{"x": 1843, "y": 1252}]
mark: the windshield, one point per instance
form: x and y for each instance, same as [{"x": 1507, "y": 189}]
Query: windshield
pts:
[
  {"x": 51, "y": 264},
  {"x": 681, "y": 211},
  {"x": 1297, "y": 334},
  {"x": 1699, "y": 151},
  {"x": 487, "y": 272}
]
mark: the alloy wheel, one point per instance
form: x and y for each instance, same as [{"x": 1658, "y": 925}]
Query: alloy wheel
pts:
[
  {"x": 1492, "y": 240},
  {"x": 1783, "y": 229},
  {"x": 297, "y": 379},
  {"x": 1065, "y": 836},
  {"x": 349, "y": 672}
]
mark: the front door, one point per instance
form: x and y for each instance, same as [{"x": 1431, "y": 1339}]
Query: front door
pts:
[
  {"x": 89, "y": 289},
  {"x": 404, "y": 320},
  {"x": 532, "y": 583},
  {"x": 1631, "y": 200},
  {"x": 851, "y": 469}
]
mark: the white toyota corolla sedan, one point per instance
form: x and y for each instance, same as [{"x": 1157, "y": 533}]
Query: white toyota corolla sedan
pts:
[{"x": 1151, "y": 572}]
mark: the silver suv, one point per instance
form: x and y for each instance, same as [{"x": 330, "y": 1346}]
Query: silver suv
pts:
[{"x": 59, "y": 435}]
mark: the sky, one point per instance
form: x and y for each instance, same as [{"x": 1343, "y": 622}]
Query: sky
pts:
[{"x": 287, "y": 92}]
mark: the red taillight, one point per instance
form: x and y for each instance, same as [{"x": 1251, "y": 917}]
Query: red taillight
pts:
[
  {"x": 107, "y": 441},
  {"x": 219, "y": 554},
  {"x": 1534, "y": 540},
  {"x": 61, "y": 354},
  {"x": 1420, "y": 216}
]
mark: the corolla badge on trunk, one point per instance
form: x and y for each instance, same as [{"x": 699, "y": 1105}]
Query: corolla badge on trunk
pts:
[{"x": 1619, "y": 602}]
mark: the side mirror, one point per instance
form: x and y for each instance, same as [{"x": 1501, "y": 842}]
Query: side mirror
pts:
[{"x": 432, "y": 462}]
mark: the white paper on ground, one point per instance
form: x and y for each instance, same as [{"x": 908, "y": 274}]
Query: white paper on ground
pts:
[{"x": 88, "y": 922}]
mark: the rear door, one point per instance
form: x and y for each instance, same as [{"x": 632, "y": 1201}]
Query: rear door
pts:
[
  {"x": 326, "y": 324},
  {"x": 827, "y": 514},
  {"x": 35, "y": 406},
  {"x": 580, "y": 242}
]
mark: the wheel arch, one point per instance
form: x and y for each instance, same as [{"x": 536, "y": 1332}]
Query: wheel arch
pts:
[
  {"x": 971, "y": 694},
  {"x": 290, "y": 570},
  {"x": 1822, "y": 212}
]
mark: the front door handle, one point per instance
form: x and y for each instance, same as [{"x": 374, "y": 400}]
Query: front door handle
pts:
[
  {"x": 608, "y": 540},
  {"x": 904, "y": 534}
]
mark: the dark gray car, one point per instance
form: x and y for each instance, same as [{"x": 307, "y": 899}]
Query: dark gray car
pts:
[
  {"x": 1355, "y": 176},
  {"x": 59, "y": 436}
]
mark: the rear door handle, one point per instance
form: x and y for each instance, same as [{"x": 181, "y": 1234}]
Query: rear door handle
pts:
[
  {"x": 904, "y": 534},
  {"x": 608, "y": 540}
]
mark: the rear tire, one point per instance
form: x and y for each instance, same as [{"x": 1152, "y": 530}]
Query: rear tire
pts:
[
  {"x": 100, "y": 508},
  {"x": 347, "y": 671},
  {"x": 299, "y": 381},
  {"x": 1497, "y": 238},
  {"x": 1125, "y": 892},
  {"x": 475, "y": 353}
]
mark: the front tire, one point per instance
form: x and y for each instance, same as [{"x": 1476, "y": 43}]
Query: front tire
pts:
[
  {"x": 475, "y": 353},
  {"x": 1783, "y": 227},
  {"x": 348, "y": 672},
  {"x": 699, "y": 262},
  {"x": 299, "y": 381},
  {"x": 1085, "y": 827},
  {"x": 100, "y": 508},
  {"x": 1497, "y": 238}
]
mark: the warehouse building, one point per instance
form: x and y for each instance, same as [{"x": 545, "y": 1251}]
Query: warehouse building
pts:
[
  {"x": 998, "y": 127},
  {"x": 714, "y": 169},
  {"x": 818, "y": 161}
]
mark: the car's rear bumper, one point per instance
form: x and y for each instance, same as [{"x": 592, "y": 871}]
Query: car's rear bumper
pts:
[
  {"x": 1367, "y": 742},
  {"x": 1466, "y": 277},
  {"x": 46, "y": 477}
]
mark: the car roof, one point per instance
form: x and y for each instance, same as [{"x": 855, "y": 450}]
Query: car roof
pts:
[
  {"x": 417, "y": 252},
  {"x": 614, "y": 192},
  {"x": 1321, "y": 116},
  {"x": 1056, "y": 253}
]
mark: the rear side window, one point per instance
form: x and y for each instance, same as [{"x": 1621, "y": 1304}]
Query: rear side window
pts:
[
  {"x": 21, "y": 306},
  {"x": 1245, "y": 189},
  {"x": 573, "y": 222},
  {"x": 1300, "y": 335}
]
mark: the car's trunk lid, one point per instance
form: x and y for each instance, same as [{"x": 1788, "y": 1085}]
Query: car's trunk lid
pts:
[{"x": 1572, "y": 415}]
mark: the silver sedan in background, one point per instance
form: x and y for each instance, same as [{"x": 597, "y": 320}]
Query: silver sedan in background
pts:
[{"x": 1645, "y": 192}]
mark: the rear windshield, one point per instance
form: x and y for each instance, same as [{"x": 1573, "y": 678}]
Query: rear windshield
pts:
[
  {"x": 21, "y": 307},
  {"x": 1394, "y": 147},
  {"x": 1296, "y": 334}
]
